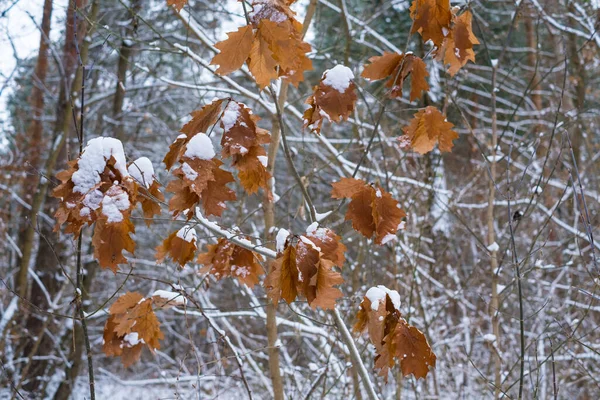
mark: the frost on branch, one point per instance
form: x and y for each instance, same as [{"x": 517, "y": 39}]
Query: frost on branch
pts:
[
  {"x": 371, "y": 210},
  {"x": 427, "y": 128},
  {"x": 333, "y": 99},
  {"x": 97, "y": 187},
  {"x": 272, "y": 45},
  {"x": 398, "y": 67},
  {"x": 180, "y": 246},
  {"x": 306, "y": 267},
  {"x": 226, "y": 259},
  {"x": 393, "y": 338},
  {"x": 131, "y": 325}
]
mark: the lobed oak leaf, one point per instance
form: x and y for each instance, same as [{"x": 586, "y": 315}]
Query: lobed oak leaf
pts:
[
  {"x": 282, "y": 280},
  {"x": 329, "y": 242},
  {"x": 371, "y": 210},
  {"x": 131, "y": 324},
  {"x": 431, "y": 19},
  {"x": 398, "y": 68},
  {"x": 332, "y": 99},
  {"x": 180, "y": 246},
  {"x": 109, "y": 241},
  {"x": 228, "y": 259},
  {"x": 261, "y": 62},
  {"x": 242, "y": 140},
  {"x": 429, "y": 127},
  {"x": 409, "y": 345},
  {"x": 200, "y": 181},
  {"x": 457, "y": 48},
  {"x": 271, "y": 45},
  {"x": 234, "y": 50},
  {"x": 393, "y": 338},
  {"x": 201, "y": 120}
]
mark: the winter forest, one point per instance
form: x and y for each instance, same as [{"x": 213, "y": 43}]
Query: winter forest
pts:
[{"x": 299, "y": 199}]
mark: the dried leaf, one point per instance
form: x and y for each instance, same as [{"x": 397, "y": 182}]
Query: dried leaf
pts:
[
  {"x": 329, "y": 102},
  {"x": 371, "y": 210},
  {"x": 226, "y": 259},
  {"x": 109, "y": 241},
  {"x": 457, "y": 48},
  {"x": 276, "y": 48},
  {"x": 411, "y": 348},
  {"x": 180, "y": 246},
  {"x": 429, "y": 127},
  {"x": 131, "y": 324},
  {"x": 282, "y": 280},
  {"x": 431, "y": 19},
  {"x": 233, "y": 51},
  {"x": 398, "y": 68}
]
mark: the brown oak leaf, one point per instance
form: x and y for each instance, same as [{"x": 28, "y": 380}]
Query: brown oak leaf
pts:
[
  {"x": 431, "y": 18},
  {"x": 398, "y": 67},
  {"x": 180, "y": 246},
  {"x": 428, "y": 127},
  {"x": 371, "y": 209},
  {"x": 226, "y": 259},
  {"x": 131, "y": 324},
  {"x": 282, "y": 280},
  {"x": 457, "y": 48},
  {"x": 333, "y": 99}
]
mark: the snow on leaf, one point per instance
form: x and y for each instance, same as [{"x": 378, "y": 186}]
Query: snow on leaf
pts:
[
  {"x": 226, "y": 259},
  {"x": 333, "y": 99},
  {"x": 131, "y": 325},
  {"x": 180, "y": 246}
]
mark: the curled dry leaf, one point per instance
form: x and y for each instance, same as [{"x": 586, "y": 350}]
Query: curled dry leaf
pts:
[
  {"x": 372, "y": 210},
  {"x": 305, "y": 268},
  {"x": 333, "y": 99},
  {"x": 398, "y": 67},
  {"x": 131, "y": 324},
  {"x": 427, "y": 128},
  {"x": 180, "y": 246},
  {"x": 149, "y": 194},
  {"x": 393, "y": 338},
  {"x": 272, "y": 45},
  {"x": 228, "y": 259}
]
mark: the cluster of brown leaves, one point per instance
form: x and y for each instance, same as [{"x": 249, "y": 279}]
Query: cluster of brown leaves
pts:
[
  {"x": 371, "y": 210},
  {"x": 272, "y": 45},
  {"x": 225, "y": 259},
  {"x": 452, "y": 35},
  {"x": 307, "y": 268},
  {"x": 398, "y": 67},
  {"x": 203, "y": 180},
  {"x": 428, "y": 127},
  {"x": 108, "y": 203},
  {"x": 394, "y": 339},
  {"x": 131, "y": 325},
  {"x": 327, "y": 102}
]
